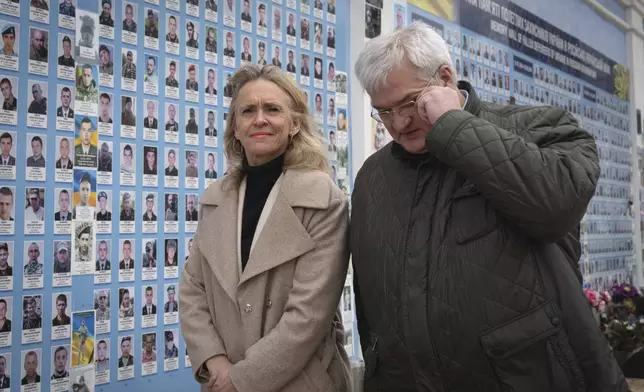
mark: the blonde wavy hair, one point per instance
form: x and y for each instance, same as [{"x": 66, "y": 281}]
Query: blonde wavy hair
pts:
[{"x": 305, "y": 149}]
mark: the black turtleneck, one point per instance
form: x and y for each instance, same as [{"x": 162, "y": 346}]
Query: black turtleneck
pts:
[{"x": 259, "y": 183}]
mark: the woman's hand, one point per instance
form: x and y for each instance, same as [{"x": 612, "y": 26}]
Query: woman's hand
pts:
[{"x": 219, "y": 369}]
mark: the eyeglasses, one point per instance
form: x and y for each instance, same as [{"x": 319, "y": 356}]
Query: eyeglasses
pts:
[{"x": 407, "y": 109}]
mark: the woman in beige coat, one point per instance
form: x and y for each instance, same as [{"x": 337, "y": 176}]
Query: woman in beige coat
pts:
[{"x": 260, "y": 291}]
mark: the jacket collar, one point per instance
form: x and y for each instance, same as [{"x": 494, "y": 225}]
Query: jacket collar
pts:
[{"x": 283, "y": 238}]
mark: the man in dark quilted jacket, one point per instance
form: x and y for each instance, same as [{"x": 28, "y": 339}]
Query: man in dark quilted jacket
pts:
[{"x": 465, "y": 235}]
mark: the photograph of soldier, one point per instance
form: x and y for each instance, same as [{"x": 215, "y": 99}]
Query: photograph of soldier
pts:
[
  {"x": 39, "y": 45},
  {"x": 38, "y": 101},
  {"x": 86, "y": 84},
  {"x": 106, "y": 65},
  {"x": 9, "y": 47},
  {"x": 66, "y": 59}
]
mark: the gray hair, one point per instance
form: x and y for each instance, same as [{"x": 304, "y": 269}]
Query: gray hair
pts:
[{"x": 423, "y": 47}]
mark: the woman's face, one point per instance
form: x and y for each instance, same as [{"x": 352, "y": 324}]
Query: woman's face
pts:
[{"x": 263, "y": 121}]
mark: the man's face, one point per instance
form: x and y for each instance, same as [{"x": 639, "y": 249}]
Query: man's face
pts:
[
  {"x": 246, "y": 6},
  {"x": 148, "y": 297},
  {"x": 84, "y": 191},
  {"x": 191, "y": 203},
  {"x": 148, "y": 344},
  {"x": 102, "y": 351},
  {"x": 105, "y": 107},
  {"x": 408, "y": 131},
  {"x": 170, "y": 292},
  {"x": 87, "y": 77},
  {"x": 262, "y": 52},
  {"x": 262, "y": 15},
  {"x": 172, "y": 26},
  {"x": 126, "y": 205},
  {"x": 191, "y": 75},
  {"x": 36, "y": 92},
  {"x": 31, "y": 363},
  {"x": 4, "y": 257},
  {"x": 102, "y": 301},
  {"x": 6, "y": 143},
  {"x": 171, "y": 159},
  {"x": 6, "y": 90},
  {"x": 125, "y": 345},
  {"x": 277, "y": 52},
  {"x": 246, "y": 45},
  {"x": 128, "y": 106},
  {"x": 107, "y": 9},
  {"x": 38, "y": 40},
  {"x": 290, "y": 57},
  {"x": 62, "y": 258},
  {"x": 129, "y": 59},
  {"x": 191, "y": 160},
  {"x": 3, "y": 362},
  {"x": 84, "y": 242},
  {"x": 172, "y": 112},
  {"x": 63, "y": 201},
  {"x": 126, "y": 301},
  {"x": 6, "y": 204},
  {"x": 129, "y": 13},
  {"x": 34, "y": 202},
  {"x": 9, "y": 41},
  {"x": 291, "y": 19},
  {"x": 211, "y": 120},
  {"x": 61, "y": 306},
  {"x": 151, "y": 158},
  {"x": 190, "y": 30},
  {"x": 229, "y": 41},
  {"x": 150, "y": 109},
  {"x": 172, "y": 70},
  {"x": 86, "y": 133},
  {"x": 171, "y": 252},
  {"x": 127, "y": 250},
  {"x": 150, "y": 65},
  {"x": 149, "y": 204},
  {"x": 127, "y": 157},
  {"x": 105, "y": 57},
  {"x": 67, "y": 48},
  {"x": 211, "y": 35},
  {"x": 211, "y": 162},
  {"x": 61, "y": 361},
  {"x": 102, "y": 250},
  {"x": 36, "y": 148},
  {"x": 211, "y": 79},
  {"x": 65, "y": 98}
]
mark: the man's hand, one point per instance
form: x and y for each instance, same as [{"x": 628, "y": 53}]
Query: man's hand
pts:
[{"x": 435, "y": 101}]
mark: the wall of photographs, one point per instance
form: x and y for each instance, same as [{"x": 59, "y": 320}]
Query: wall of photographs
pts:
[
  {"x": 111, "y": 127},
  {"x": 509, "y": 65}
]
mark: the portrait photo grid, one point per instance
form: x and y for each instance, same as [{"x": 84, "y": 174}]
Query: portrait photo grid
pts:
[{"x": 111, "y": 126}]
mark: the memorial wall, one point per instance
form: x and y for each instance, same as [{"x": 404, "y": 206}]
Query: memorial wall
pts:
[
  {"x": 511, "y": 55},
  {"x": 111, "y": 127}
]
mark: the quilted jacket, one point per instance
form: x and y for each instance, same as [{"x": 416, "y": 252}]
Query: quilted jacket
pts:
[{"x": 464, "y": 257}]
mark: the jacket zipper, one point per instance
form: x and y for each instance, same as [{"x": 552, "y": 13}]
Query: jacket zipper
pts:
[{"x": 404, "y": 306}]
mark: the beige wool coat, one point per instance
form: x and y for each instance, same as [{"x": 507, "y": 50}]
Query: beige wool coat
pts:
[{"x": 278, "y": 320}]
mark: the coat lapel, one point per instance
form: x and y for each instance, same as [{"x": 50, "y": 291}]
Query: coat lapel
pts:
[
  {"x": 218, "y": 235},
  {"x": 283, "y": 238}
]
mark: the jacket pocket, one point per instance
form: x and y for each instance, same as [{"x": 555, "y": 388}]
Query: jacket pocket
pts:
[
  {"x": 473, "y": 217},
  {"x": 531, "y": 353}
]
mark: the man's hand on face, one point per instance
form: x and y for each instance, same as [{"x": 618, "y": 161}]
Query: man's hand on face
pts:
[{"x": 436, "y": 101}]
